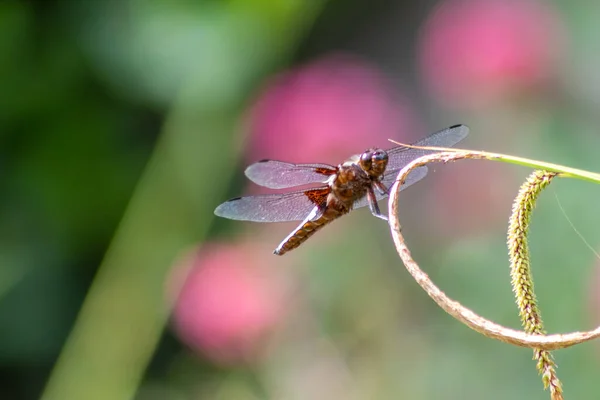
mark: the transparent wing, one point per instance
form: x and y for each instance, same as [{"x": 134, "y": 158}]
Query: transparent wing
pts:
[
  {"x": 415, "y": 176},
  {"x": 400, "y": 156},
  {"x": 294, "y": 206},
  {"x": 280, "y": 175}
]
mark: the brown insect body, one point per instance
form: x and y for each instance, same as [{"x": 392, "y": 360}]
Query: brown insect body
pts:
[
  {"x": 351, "y": 182},
  {"x": 360, "y": 181}
]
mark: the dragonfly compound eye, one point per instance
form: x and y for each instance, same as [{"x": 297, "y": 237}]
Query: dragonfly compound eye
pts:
[
  {"x": 379, "y": 156},
  {"x": 366, "y": 159},
  {"x": 379, "y": 160}
]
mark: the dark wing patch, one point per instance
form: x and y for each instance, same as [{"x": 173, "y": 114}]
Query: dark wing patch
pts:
[
  {"x": 280, "y": 175},
  {"x": 294, "y": 206},
  {"x": 318, "y": 196}
]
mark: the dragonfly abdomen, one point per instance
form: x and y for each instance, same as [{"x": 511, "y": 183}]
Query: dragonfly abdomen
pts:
[{"x": 307, "y": 228}]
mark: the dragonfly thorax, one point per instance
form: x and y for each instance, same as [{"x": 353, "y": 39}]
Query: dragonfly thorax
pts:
[{"x": 350, "y": 183}]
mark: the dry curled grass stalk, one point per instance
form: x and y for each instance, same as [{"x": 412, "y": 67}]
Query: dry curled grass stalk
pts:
[
  {"x": 452, "y": 307},
  {"x": 521, "y": 277}
]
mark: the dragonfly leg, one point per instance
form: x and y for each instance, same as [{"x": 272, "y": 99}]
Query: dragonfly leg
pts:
[
  {"x": 381, "y": 188},
  {"x": 372, "y": 199}
]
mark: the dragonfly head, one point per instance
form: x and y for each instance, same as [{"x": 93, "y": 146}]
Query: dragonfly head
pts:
[{"x": 373, "y": 162}]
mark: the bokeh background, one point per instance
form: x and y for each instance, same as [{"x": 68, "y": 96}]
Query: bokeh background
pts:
[{"x": 123, "y": 124}]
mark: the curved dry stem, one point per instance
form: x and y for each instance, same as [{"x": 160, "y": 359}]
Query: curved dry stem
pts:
[
  {"x": 521, "y": 277},
  {"x": 452, "y": 307}
]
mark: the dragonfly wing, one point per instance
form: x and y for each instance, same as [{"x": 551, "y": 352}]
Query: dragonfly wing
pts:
[
  {"x": 415, "y": 176},
  {"x": 280, "y": 175},
  {"x": 400, "y": 156},
  {"x": 294, "y": 206}
]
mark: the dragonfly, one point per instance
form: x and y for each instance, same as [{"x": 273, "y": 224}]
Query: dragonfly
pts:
[{"x": 362, "y": 180}]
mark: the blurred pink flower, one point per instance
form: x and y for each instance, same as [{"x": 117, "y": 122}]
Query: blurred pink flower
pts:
[
  {"x": 473, "y": 51},
  {"x": 325, "y": 112},
  {"x": 226, "y": 303}
]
